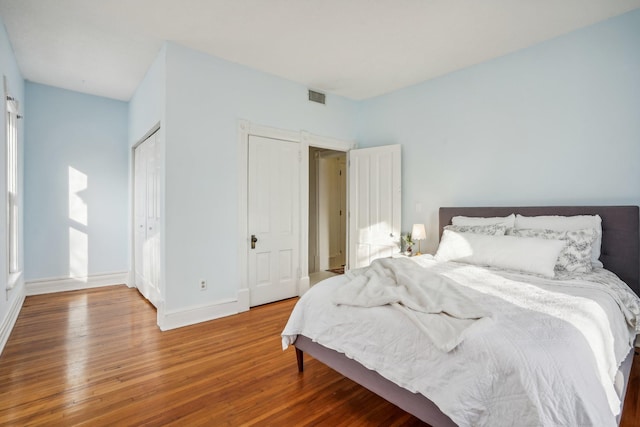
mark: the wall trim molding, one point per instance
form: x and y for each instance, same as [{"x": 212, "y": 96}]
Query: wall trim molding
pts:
[
  {"x": 10, "y": 319},
  {"x": 173, "y": 319},
  {"x": 63, "y": 284}
]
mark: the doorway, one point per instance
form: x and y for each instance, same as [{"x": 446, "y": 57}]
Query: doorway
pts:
[
  {"x": 379, "y": 202},
  {"x": 327, "y": 213}
]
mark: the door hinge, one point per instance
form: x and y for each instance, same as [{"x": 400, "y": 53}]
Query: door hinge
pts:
[{"x": 340, "y": 212}]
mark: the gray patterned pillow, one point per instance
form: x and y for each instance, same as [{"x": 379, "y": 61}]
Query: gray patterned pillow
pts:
[
  {"x": 576, "y": 256},
  {"x": 490, "y": 229}
]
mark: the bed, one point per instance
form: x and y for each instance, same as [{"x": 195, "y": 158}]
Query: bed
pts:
[{"x": 619, "y": 254}]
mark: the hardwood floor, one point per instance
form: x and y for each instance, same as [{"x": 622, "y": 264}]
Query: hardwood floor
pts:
[{"x": 96, "y": 357}]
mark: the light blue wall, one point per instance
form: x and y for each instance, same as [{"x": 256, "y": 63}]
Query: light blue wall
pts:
[
  {"x": 147, "y": 109},
  {"x": 557, "y": 123},
  {"x": 66, "y": 130},
  {"x": 15, "y": 85},
  {"x": 206, "y": 97},
  {"x": 147, "y": 106}
]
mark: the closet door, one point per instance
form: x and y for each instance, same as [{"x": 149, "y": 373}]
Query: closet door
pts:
[
  {"x": 139, "y": 213},
  {"x": 147, "y": 218}
]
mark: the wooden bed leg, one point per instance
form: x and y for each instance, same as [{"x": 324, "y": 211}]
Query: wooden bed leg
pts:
[{"x": 300, "y": 358}]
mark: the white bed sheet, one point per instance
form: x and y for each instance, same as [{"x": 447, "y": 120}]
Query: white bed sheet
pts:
[{"x": 549, "y": 358}]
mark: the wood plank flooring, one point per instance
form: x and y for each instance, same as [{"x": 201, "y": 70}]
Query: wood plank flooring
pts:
[{"x": 96, "y": 357}]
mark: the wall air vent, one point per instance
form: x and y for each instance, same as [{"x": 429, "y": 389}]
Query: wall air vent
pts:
[{"x": 316, "y": 97}]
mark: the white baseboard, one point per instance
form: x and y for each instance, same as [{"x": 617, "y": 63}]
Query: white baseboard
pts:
[
  {"x": 63, "y": 284},
  {"x": 12, "y": 315},
  {"x": 190, "y": 316}
]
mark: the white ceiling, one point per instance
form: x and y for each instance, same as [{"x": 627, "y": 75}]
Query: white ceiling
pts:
[{"x": 355, "y": 48}]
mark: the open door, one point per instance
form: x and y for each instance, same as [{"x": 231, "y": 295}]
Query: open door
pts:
[{"x": 375, "y": 197}]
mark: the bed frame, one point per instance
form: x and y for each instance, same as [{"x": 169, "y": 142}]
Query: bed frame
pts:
[{"x": 619, "y": 253}]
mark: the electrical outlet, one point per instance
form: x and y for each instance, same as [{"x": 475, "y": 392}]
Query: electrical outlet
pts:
[{"x": 203, "y": 285}]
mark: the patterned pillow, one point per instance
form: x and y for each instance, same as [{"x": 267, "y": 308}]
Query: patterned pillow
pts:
[
  {"x": 490, "y": 229},
  {"x": 576, "y": 256}
]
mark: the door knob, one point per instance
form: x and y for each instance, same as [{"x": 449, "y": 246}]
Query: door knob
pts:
[{"x": 254, "y": 239}]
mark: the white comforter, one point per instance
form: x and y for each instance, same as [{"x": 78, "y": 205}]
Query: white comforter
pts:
[
  {"x": 436, "y": 304},
  {"x": 548, "y": 358}
]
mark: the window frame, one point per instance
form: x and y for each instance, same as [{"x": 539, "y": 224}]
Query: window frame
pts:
[{"x": 12, "y": 188}]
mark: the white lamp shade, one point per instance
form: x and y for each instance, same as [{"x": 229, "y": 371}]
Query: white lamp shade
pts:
[{"x": 418, "y": 232}]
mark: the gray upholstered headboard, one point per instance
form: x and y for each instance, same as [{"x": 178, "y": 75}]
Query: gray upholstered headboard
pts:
[{"x": 620, "y": 232}]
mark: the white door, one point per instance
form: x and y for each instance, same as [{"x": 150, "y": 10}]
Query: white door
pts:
[
  {"x": 147, "y": 218},
  {"x": 139, "y": 213},
  {"x": 273, "y": 219},
  {"x": 375, "y": 196}
]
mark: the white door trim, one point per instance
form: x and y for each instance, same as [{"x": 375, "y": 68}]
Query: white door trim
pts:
[
  {"x": 310, "y": 140},
  {"x": 306, "y": 139}
]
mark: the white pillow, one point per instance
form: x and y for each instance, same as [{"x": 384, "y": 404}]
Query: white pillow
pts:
[
  {"x": 525, "y": 254},
  {"x": 576, "y": 255},
  {"x": 507, "y": 221},
  {"x": 567, "y": 223},
  {"x": 491, "y": 229}
]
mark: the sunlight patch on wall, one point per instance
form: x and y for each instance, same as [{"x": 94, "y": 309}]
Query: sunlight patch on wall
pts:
[
  {"x": 77, "y": 206},
  {"x": 375, "y": 241},
  {"x": 78, "y": 215}
]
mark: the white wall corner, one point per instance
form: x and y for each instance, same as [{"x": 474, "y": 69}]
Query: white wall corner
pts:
[
  {"x": 12, "y": 315},
  {"x": 63, "y": 284},
  {"x": 172, "y": 319},
  {"x": 243, "y": 149},
  {"x": 304, "y": 285}
]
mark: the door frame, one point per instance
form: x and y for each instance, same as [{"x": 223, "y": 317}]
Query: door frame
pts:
[
  {"x": 132, "y": 225},
  {"x": 326, "y": 155},
  {"x": 305, "y": 139}
]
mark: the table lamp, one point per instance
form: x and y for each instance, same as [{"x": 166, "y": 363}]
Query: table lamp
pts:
[{"x": 418, "y": 233}]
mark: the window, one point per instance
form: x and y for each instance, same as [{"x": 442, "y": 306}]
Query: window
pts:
[{"x": 12, "y": 182}]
